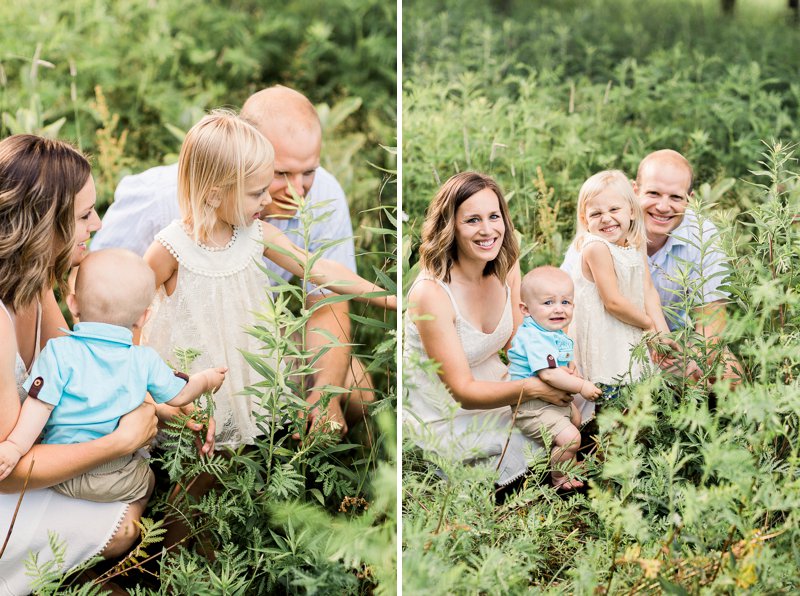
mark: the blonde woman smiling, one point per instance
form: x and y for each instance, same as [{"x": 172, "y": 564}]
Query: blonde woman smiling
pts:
[{"x": 462, "y": 312}]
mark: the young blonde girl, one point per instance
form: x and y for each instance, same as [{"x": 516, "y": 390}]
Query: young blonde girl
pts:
[
  {"x": 615, "y": 300},
  {"x": 207, "y": 265}
]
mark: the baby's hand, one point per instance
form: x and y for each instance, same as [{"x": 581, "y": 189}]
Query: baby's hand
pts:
[
  {"x": 9, "y": 456},
  {"x": 590, "y": 391},
  {"x": 214, "y": 377}
]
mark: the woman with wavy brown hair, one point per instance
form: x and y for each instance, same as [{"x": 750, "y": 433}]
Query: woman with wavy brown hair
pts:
[
  {"x": 462, "y": 311},
  {"x": 47, "y": 200}
]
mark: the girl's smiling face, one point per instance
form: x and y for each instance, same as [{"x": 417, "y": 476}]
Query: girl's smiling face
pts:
[
  {"x": 608, "y": 216},
  {"x": 479, "y": 227},
  {"x": 86, "y": 219}
]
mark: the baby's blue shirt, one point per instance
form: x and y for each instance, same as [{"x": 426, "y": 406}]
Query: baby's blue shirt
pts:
[
  {"x": 92, "y": 377},
  {"x": 532, "y": 347}
]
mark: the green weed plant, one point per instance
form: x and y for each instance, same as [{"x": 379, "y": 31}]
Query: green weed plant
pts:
[
  {"x": 693, "y": 487},
  {"x": 124, "y": 81}
]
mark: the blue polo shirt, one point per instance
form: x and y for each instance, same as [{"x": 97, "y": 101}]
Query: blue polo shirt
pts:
[
  {"x": 92, "y": 377},
  {"x": 531, "y": 347}
]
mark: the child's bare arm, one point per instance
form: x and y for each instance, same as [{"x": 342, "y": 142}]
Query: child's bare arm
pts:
[
  {"x": 597, "y": 258},
  {"x": 323, "y": 272},
  {"x": 561, "y": 378},
  {"x": 32, "y": 418},
  {"x": 207, "y": 380},
  {"x": 574, "y": 415}
]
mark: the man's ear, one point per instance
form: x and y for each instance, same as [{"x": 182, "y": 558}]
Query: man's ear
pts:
[
  {"x": 635, "y": 187},
  {"x": 143, "y": 319},
  {"x": 72, "y": 305}
]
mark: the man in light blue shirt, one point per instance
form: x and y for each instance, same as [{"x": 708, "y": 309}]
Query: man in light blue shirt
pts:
[
  {"x": 685, "y": 260},
  {"x": 147, "y": 202}
]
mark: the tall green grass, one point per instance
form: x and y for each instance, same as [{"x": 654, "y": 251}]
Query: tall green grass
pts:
[
  {"x": 689, "y": 492},
  {"x": 124, "y": 81}
]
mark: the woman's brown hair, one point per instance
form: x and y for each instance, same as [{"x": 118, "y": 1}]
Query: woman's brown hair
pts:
[
  {"x": 39, "y": 179},
  {"x": 438, "y": 250}
]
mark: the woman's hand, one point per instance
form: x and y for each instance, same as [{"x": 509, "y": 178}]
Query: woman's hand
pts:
[
  {"x": 543, "y": 391},
  {"x": 203, "y": 447},
  {"x": 167, "y": 412},
  {"x": 136, "y": 429}
]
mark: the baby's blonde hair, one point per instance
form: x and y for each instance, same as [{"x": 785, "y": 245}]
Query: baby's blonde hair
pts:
[
  {"x": 217, "y": 155},
  {"x": 535, "y": 278},
  {"x": 114, "y": 286},
  {"x": 618, "y": 182}
]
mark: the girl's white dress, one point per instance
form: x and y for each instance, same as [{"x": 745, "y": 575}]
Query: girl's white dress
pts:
[
  {"x": 82, "y": 527},
  {"x": 435, "y": 421},
  {"x": 602, "y": 342},
  {"x": 217, "y": 293}
]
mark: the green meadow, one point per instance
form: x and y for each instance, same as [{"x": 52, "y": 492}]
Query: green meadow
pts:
[{"x": 691, "y": 490}]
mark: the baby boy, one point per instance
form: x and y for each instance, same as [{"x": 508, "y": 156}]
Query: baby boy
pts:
[
  {"x": 541, "y": 348},
  {"x": 82, "y": 383}
]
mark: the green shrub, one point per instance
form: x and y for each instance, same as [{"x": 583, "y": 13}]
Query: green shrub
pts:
[{"x": 691, "y": 491}]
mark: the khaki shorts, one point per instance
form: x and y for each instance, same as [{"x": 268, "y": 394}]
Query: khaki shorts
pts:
[
  {"x": 125, "y": 480},
  {"x": 536, "y": 417}
]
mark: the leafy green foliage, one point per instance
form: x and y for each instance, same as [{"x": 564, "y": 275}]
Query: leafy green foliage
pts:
[
  {"x": 124, "y": 81},
  {"x": 691, "y": 490}
]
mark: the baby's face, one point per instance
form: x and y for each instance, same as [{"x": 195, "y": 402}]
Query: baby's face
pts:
[{"x": 550, "y": 303}]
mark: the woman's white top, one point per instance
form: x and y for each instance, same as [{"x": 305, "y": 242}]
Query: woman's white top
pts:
[
  {"x": 213, "y": 304},
  {"x": 603, "y": 343},
  {"x": 83, "y": 527},
  {"x": 434, "y": 419}
]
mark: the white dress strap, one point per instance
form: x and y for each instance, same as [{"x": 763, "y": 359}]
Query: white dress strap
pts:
[
  {"x": 38, "y": 346},
  {"x": 244, "y": 246},
  {"x": 3, "y": 306}
]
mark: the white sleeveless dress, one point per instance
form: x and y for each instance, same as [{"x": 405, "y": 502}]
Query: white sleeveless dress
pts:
[
  {"x": 84, "y": 527},
  {"x": 210, "y": 310},
  {"x": 435, "y": 421},
  {"x": 602, "y": 342}
]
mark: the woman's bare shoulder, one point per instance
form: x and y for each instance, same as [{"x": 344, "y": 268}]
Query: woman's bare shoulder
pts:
[{"x": 428, "y": 296}]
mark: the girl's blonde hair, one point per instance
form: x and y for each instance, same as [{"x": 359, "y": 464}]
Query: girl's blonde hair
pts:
[
  {"x": 438, "y": 250},
  {"x": 217, "y": 155},
  {"x": 619, "y": 183},
  {"x": 39, "y": 179}
]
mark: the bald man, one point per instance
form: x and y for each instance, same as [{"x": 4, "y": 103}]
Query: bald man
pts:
[
  {"x": 684, "y": 259},
  {"x": 146, "y": 203}
]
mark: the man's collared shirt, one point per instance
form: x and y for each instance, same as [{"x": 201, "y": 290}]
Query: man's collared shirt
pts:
[{"x": 92, "y": 377}]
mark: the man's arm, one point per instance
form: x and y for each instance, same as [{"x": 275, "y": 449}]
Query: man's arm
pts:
[
  {"x": 710, "y": 320},
  {"x": 332, "y": 366}
]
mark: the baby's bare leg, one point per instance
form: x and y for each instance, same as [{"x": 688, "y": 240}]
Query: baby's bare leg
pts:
[
  {"x": 128, "y": 532},
  {"x": 567, "y": 443}
]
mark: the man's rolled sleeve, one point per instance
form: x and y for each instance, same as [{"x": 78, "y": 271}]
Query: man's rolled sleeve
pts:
[{"x": 713, "y": 270}]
